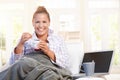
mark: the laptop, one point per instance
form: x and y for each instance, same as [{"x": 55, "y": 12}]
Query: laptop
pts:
[{"x": 102, "y": 59}]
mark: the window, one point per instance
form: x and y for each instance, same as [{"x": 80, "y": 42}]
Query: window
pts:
[
  {"x": 11, "y": 27},
  {"x": 104, "y": 26}
]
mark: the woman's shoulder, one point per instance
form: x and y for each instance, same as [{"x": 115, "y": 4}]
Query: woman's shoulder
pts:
[
  {"x": 55, "y": 36},
  {"x": 55, "y": 39}
]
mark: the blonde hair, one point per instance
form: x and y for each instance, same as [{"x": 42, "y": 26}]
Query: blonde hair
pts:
[{"x": 41, "y": 9}]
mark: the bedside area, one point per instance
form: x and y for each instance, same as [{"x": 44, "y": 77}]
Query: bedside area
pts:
[
  {"x": 112, "y": 77},
  {"x": 114, "y": 73},
  {"x": 90, "y": 78},
  {"x": 106, "y": 77}
]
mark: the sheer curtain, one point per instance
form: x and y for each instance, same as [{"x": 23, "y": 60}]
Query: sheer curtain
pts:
[{"x": 103, "y": 27}]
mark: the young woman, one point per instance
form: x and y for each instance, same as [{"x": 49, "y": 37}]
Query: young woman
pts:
[{"x": 41, "y": 56}]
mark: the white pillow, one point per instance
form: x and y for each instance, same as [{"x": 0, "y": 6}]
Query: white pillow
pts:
[{"x": 76, "y": 53}]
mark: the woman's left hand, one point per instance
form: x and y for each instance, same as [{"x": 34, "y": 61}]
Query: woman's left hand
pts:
[{"x": 42, "y": 45}]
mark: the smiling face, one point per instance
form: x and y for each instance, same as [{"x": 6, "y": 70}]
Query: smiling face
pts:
[{"x": 41, "y": 24}]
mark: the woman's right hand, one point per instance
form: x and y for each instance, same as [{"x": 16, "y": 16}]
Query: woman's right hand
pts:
[
  {"x": 25, "y": 36},
  {"x": 20, "y": 46}
]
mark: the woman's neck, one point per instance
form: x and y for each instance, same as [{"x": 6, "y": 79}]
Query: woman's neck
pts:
[{"x": 43, "y": 37}]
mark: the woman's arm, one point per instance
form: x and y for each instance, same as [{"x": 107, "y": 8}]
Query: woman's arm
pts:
[
  {"x": 58, "y": 46},
  {"x": 19, "y": 49},
  {"x": 43, "y": 45}
]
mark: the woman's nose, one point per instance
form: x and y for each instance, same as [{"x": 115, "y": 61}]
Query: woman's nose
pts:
[{"x": 41, "y": 25}]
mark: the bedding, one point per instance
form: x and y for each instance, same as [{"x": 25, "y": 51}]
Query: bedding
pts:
[{"x": 35, "y": 66}]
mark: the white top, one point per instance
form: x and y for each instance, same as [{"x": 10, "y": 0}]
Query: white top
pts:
[{"x": 55, "y": 43}]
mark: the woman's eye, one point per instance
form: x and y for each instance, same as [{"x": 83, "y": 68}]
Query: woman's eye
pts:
[
  {"x": 40, "y": 22},
  {"x": 44, "y": 21},
  {"x": 37, "y": 22}
]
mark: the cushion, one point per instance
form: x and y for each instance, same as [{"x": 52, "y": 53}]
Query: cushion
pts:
[{"x": 76, "y": 53}]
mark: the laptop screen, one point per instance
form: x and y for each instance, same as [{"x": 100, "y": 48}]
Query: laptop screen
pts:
[{"x": 102, "y": 60}]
